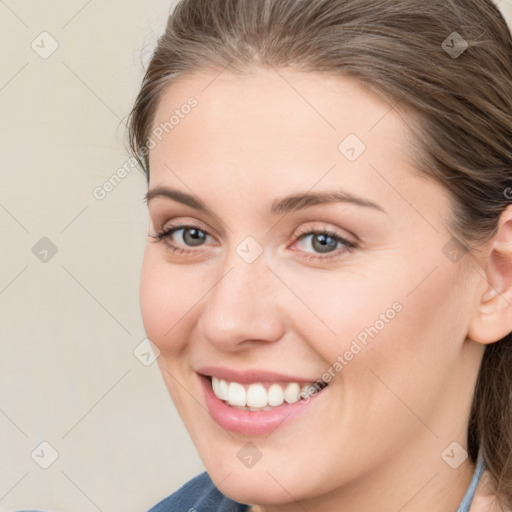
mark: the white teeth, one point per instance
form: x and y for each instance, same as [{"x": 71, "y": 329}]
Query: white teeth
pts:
[
  {"x": 291, "y": 393},
  {"x": 215, "y": 386},
  {"x": 256, "y": 397},
  {"x": 275, "y": 395},
  {"x": 236, "y": 394},
  {"x": 223, "y": 389},
  {"x": 220, "y": 388}
]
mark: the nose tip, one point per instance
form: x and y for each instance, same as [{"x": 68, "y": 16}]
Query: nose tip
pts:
[{"x": 242, "y": 307}]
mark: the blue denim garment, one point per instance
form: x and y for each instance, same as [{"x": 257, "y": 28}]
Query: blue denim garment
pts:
[
  {"x": 201, "y": 495},
  {"x": 198, "y": 495},
  {"x": 470, "y": 492}
]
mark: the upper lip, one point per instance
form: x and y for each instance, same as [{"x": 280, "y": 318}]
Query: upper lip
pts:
[{"x": 250, "y": 376}]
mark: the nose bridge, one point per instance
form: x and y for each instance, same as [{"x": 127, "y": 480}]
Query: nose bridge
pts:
[{"x": 241, "y": 304}]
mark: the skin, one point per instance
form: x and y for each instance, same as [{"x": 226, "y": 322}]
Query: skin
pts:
[{"x": 374, "y": 440}]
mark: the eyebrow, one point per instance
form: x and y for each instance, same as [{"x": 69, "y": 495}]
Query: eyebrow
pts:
[{"x": 288, "y": 204}]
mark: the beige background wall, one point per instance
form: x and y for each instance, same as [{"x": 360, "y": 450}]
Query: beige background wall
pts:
[
  {"x": 68, "y": 326},
  {"x": 69, "y": 320}
]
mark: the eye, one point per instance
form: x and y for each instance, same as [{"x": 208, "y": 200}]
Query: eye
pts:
[
  {"x": 190, "y": 235},
  {"x": 324, "y": 242}
]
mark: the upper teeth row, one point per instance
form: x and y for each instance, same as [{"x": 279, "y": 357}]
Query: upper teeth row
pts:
[{"x": 256, "y": 395}]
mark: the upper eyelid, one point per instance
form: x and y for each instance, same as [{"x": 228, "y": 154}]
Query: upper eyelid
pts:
[
  {"x": 182, "y": 224},
  {"x": 198, "y": 225},
  {"x": 171, "y": 230},
  {"x": 324, "y": 226},
  {"x": 152, "y": 207},
  {"x": 324, "y": 229},
  {"x": 158, "y": 211}
]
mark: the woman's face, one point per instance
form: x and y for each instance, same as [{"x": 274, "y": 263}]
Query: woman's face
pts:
[{"x": 377, "y": 303}]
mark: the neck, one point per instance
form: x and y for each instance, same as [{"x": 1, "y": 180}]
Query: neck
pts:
[{"x": 414, "y": 484}]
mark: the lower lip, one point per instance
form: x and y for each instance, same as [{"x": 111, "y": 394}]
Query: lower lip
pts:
[{"x": 253, "y": 423}]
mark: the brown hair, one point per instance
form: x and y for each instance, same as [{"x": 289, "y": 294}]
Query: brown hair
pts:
[{"x": 458, "y": 106}]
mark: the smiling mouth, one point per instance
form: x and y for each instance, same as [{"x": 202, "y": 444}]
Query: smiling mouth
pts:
[{"x": 262, "y": 396}]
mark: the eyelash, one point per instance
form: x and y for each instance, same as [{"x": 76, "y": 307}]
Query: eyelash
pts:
[{"x": 165, "y": 234}]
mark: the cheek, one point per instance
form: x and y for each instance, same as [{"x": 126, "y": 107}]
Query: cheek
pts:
[
  {"x": 413, "y": 355},
  {"x": 395, "y": 322},
  {"x": 341, "y": 308},
  {"x": 167, "y": 300}
]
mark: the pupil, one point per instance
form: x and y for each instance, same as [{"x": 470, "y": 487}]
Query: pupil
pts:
[
  {"x": 193, "y": 236},
  {"x": 326, "y": 243}
]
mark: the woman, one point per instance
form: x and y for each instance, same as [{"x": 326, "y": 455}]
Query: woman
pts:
[{"x": 328, "y": 270}]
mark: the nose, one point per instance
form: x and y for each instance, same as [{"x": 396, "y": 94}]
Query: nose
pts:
[{"x": 242, "y": 307}]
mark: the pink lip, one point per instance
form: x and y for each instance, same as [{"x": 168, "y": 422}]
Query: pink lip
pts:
[
  {"x": 250, "y": 376},
  {"x": 254, "y": 423}
]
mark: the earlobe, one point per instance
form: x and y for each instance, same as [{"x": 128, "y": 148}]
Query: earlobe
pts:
[{"x": 493, "y": 319}]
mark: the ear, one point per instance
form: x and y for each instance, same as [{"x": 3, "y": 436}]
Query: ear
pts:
[{"x": 493, "y": 318}]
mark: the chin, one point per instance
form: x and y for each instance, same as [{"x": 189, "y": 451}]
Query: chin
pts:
[{"x": 249, "y": 488}]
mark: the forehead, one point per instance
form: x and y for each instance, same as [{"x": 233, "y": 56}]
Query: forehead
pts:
[
  {"x": 280, "y": 129},
  {"x": 265, "y": 108},
  {"x": 323, "y": 102}
]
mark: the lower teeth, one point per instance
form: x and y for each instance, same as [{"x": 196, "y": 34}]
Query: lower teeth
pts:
[{"x": 253, "y": 409}]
